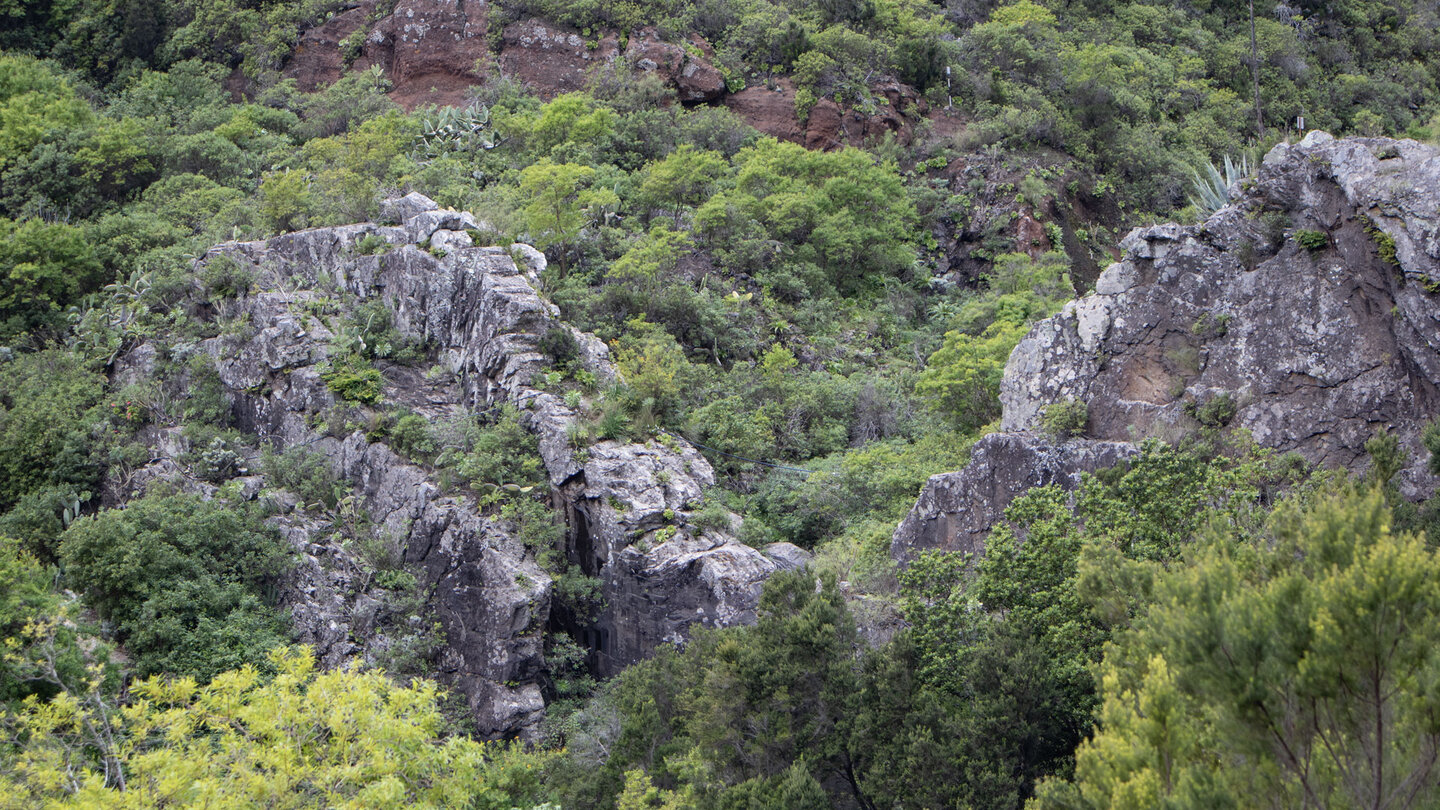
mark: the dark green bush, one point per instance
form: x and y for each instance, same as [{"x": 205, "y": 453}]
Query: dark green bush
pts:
[
  {"x": 378, "y": 339},
  {"x": 50, "y": 410},
  {"x": 411, "y": 437},
  {"x": 206, "y": 401},
  {"x": 1065, "y": 420},
  {"x": 353, "y": 378},
  {"x": 1312, "y": 240},
  {"x": 305, "y": 473},
  {"x": 1215, "y": 412},
  {"x": 225, "y": 278},
  {"x": 560, "y": 346},
  {"x": 1430, "y": 437},
  {"x": 38, "y": 519},
  {"x": 183, "y": 580}
]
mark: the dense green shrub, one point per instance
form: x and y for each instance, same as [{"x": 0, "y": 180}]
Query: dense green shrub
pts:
[
  {"x": 51, "y": 424},
  {"x": 411, "y": 437},
  {"x": 1312, "y": 240},
  {"x": 353, "y": 378},
  {"x": 304, "y": 472},
  {"x": 224, "y": 277},
  {"x": 1064, "y": 420},
  {"x": 497, "y": 452},
  {"x": 1215, "y": 412},
  {"x": 38, "y": 518},
  {"x": 357, "y": 737},
  {"x": 370, "y": 330},
  {"x": 183, "y": 580},
  {"x": 43, "y": 269},
  {"x": 1324, "y": 585},
  {"x": 207, "y": 403},
  {"x": 844, "y": 222}
]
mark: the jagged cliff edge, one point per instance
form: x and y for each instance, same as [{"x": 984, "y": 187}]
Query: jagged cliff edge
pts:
[
  {"x": 626, "y": 507},
  {"x": 1306, "y": 311}
]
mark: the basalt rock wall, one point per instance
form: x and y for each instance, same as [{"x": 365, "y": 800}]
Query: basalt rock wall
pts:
[
  {"x": 626, "y": 507},
  {"x": 1306, "y": 312}
]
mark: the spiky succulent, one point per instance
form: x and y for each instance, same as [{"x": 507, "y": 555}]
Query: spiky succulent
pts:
[{"x": 1211, "y": 186}]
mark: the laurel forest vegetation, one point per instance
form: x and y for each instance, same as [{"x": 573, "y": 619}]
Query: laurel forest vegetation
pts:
[{"x": 1185, "y": 630}]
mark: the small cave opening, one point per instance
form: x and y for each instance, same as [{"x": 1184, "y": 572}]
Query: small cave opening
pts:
[
  {"x": 581, "y": 549},
  {"x": 577, "y": 622}
]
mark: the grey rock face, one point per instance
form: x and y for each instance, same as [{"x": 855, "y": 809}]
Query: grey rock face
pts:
[
  {"x": 626, "y": 506},
  {"x": 956, "y": 510},
  {"x": 1317, "y": 349},
  {"x": 400, "y": 209},
  {"x": 1314, "y": 350},
  {"x": 788, "y": 555}
]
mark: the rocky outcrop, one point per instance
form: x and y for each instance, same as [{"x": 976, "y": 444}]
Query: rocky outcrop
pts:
[
  {"x": 426, "y": 38},
  {"x": 688, "y": 66},
  {"x": 434, "y": 51},
  {"x": 956, "y": 510},
  {"x": 771, "y": 109},
  {"x": 552, "y": 60},
  {"x": 1304, "y": 312},
  {"x": 316, "y": 61},
  {"x": 627, "y": 507}
]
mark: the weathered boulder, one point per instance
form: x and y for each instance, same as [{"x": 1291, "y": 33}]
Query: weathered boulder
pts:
[
  {"x": 788, "y": 555},
  {"x": 399, "y": 209},
  {"x": 955, "y": 511},
  {"x": 1311, "y": 347}
]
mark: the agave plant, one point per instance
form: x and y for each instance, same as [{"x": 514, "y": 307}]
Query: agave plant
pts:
[{"x": 1212, "y": 186}]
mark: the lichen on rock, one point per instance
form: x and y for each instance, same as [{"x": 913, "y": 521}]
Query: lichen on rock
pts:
[
  {"x": 626, "y": 506},
  {"x": 1232, "y": 323}
]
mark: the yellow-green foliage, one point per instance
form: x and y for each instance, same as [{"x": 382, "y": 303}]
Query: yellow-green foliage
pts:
[
  {"x": 652, "y": 260},
  {"x": 44, "y": 267},
  {"x": 304, "y": 739},
  {"x": 1066, "y": 419},
  {"x": 962, "y": 379},
  {"x": 32, "y": 100},
  {"x": 1321, "y": 638},
  {"x": 845, "y": 221},
  {"x": 653, "y": 364}
]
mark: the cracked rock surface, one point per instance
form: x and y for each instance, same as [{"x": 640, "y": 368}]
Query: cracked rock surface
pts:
[
  {"x": 626, "y": 507},
  {"x": 1235, "y": 321}
]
